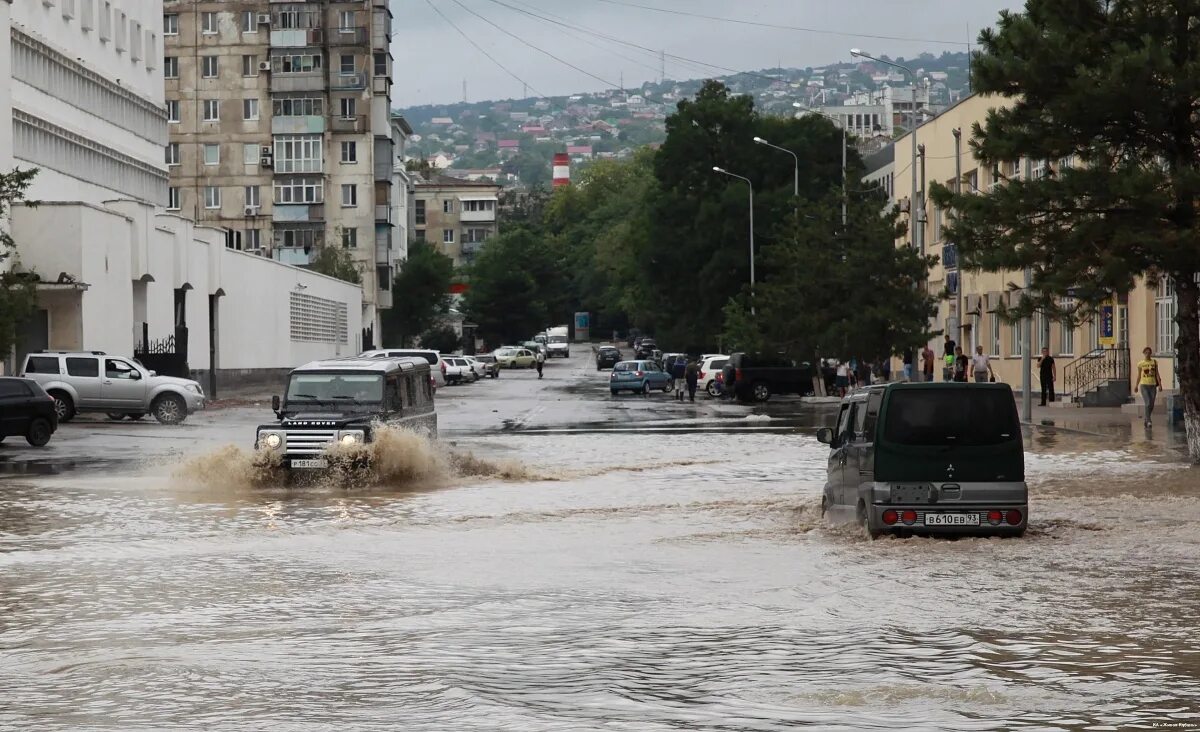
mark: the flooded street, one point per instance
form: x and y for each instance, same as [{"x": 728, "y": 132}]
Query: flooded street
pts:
[{"x": 606, "y": 563}]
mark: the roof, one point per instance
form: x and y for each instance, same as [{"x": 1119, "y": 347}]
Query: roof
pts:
[
  {"x": 446, "y": 181},
  {"x": 373, "y": 365},
  {"x": 510, "y": 143}
]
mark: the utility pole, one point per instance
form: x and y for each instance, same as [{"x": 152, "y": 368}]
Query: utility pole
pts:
[
  {"x": 845, "y": 194},
  {"x": 1026, "y": 340},
  {"x": 662, "y": 76}
]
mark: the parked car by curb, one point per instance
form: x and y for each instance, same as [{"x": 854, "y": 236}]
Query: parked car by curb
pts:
[
  {"x": 757, "y": 377},
  {"x": 639, "y": 376},
  {"x": 26, "y": 410}
]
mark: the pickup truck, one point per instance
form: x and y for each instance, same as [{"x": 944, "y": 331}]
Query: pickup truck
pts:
[{"x": 755, "y": 377}]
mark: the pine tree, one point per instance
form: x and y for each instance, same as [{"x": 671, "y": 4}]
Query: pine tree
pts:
[{"x": 1113, "y": 83}]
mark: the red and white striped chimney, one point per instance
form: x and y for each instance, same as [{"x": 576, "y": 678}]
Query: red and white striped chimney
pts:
[{"x": 562, "y": 170}]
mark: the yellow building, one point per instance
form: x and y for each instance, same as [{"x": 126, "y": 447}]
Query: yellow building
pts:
[{"x": 1140, "y": 318}]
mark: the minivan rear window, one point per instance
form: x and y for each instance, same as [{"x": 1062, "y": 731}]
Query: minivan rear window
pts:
[{"x": 965, "y": 416}]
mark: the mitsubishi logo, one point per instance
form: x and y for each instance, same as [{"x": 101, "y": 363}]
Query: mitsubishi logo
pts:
[{"x": 950, "y": 470}]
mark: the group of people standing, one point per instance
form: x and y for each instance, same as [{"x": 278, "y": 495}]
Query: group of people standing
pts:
[
  {"x": 956, "y": 365},
  {"x": 681, "y": 369}
]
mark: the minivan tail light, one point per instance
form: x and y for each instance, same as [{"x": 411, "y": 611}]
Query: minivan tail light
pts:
[
  {"x": 702, "y": 374},
  {"x": 994, "y": 517},
  {"x": 909, "y": 517},
  {"x": 1013, "y": 517},
  {"x": 889, "y": 517}
]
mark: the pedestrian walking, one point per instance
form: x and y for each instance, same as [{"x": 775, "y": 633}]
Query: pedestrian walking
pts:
[
  {"x": 961, "y": 365},
  {"x": 863, "y": 375},
  {"x": 885, "y": 369},
  {"x": 843, "y": 378},
  {"x": 540, "y": 359},
  {"x": 1048, "y": 373},
  {"x": 693, "y": 379},
  {"x": 908, "y": 364},
  {"x": 927, "y": 366},
  {"x": 948, "y": 355},
  {"x": 981, "y": 367},
  {"x": 1150, "y": 382}
]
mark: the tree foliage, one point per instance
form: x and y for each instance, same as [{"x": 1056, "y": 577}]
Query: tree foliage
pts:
[
  {"x": 516, "y": 284},
  {"x": 18, "y": 293},
  {"x": 420, "y": 294},
  {"x": 335, "y": 262},
  {"x": 1113, "y": 84},
  {"x": 441, "y": 338}
]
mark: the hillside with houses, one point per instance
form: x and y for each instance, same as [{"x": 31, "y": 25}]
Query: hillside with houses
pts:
[{"x": 513, "y": 141}]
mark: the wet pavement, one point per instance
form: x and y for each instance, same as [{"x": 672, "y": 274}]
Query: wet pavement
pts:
[{"x": 603, "y": 563}]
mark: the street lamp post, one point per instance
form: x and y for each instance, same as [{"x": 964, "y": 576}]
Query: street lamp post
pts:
[
  {"x": 749, "y": 184},
  {"x": 840, "y": 124},
  {"x": 918, "y": 225},
  {"x": 796, "y": 158}
]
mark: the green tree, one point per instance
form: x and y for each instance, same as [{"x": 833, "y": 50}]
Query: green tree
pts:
[
  {"x": 1115, "y": 85},
  {"x": 333, "y": 261},
  {"x": 516, "y": 286},
  {"x": 18, "y": 293},
  {"x": 420, "y": 294},
  {"x": 441, "y": 338}
]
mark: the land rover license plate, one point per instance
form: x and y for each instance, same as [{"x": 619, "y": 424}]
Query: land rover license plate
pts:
[
  {"x": 310, "y": 463},
  {"x": 951, "y": 519}
]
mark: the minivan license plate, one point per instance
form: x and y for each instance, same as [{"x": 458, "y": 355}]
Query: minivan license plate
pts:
[
  {"x": 951, "y": 519},
  {"x": 310, "y": 463}
]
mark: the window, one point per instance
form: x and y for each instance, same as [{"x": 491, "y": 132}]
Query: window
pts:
[
  {"x": 208, "y": 23},
  {"x": 172, "y": 198},
  {"x": 349, "y": 238},
  {"x": 1042, "y": 323},
  {"x": 349, "y": 152},
  {"x": 293, "y": 16},
  {"x": 349, "y": 195},
  {"x": 419, "y": 212},
  {"x": 346, "y": 66},
  {"x": 117, "y": 369},
  {"x": 348, "y": 107},
  {"x": 85, "y": 367},
  {"x": 171, "y": 24},
  {"x": 346, "y": 21},
  {"x": 44, "y": 365},
  {"x": 1067, "y": 334},
  {"x": 173, "y": 110},
  {"x": 212, "y": 197},
  {"x": 249, "y": 21},
  {"x": 171, "y": 67},
  {"x": 14, "y": 389},
  {"x": 1123, "y": 319},
  {"x": 1015, "y": 339},
  {"x": 1165, "y": 306},
  {"x": 381, "y": 64},
  {"x": 249, "y": 109},
  {"x": 298, "y": 107},
  {"x": 419, "y": 235},
  {"x": 298, "y": 63},
  {"x": 1038, "y": 171},
  {"x": 208, "y": 67},
  {"x": 172, "y": 153},
  {"x": 475, "y": 236},
  {"x": 448, "y": 206},
  {"x": 212, "y": 153},
  {"x": 299, "y": 190},
  {"x": 937, "y": 223},
  {"x": 995, "y": 339},
  {"x": 250, "y": 153},
  {"x": 105, "y": 21},
  {"x": 447, "y": 236},
  {"x": 249, "y": 65},
  {"x": 252, "y": 197},
  {"x": 298, "y": 154},
  {"x": 951, "y": 418},
  {"x": 212, "y": 110},
  {"x": 298, "y": 238},
  {"x": 478, "y": 206},
  {"x": 252, "y": 238}
]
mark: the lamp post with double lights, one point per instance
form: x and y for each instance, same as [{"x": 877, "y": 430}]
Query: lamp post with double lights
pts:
[
  {"x": 917, "y": 225},
  {"x": 796, "y": 158},
  {"x": 842, "y": 125},
  {"x": 722, "y": 171}
]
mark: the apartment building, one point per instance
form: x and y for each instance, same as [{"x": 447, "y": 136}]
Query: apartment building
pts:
[
  {"x": 458, "y": 216},
  {"x": 281, "y": 131},
  {"x": 1136, "y": 319}
]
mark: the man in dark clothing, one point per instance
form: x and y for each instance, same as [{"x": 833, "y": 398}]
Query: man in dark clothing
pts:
[
  {"x": 693, "y": 379},
  {"x": 960, "y": 365},
  {"x": 885, "y": 369},
  {"x": 948, "y": 346},
  {"x": 1048, "y": 373},
  {"x": 863, "y": 373},
  {"x": 908, "y": 364}
]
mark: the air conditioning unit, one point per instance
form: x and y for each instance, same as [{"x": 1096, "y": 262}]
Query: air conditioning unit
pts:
[
  {"x": 252, "y": 210},
  {"x": 260, "y": 251},
  {"x": 264, "y": 18},
  {"x": 266, "y": 151},
  {"x": 265, "y": 162},
  {"x": 264, "y": 65}
]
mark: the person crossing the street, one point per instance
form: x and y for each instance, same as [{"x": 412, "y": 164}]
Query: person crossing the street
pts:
[
  {"x": 540, "y": 359},
  {"x": 1149, "y": 382}
]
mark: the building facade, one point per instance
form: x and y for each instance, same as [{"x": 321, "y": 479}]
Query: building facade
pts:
[
  {"x": 281, "y": 130},
  {"x": 456, "y": 216},
  {"x": 1142, "y": 317}
]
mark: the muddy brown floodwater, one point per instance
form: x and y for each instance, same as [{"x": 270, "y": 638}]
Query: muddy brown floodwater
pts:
[{"x": 658, "y": 575}]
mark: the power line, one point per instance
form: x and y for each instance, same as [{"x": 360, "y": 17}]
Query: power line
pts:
[
  {"x": 480, "y": 48},
  {"x": 536, "y": 48},
  {"x": 775, "y": 26}
]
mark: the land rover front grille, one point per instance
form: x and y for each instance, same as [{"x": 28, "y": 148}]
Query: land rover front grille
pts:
[{"x": 308, "y": 442}]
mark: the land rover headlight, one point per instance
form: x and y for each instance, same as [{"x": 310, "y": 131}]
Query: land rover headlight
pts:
[
  {"x": 351, "y": 437},
  {"x": 272, "y": 440}
]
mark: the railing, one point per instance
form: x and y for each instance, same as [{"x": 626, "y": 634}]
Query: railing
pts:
[
  {"x": 356, "y": 36},
  {"x": 338, "y": 80},
  {"x": 1094, "y": 369}
]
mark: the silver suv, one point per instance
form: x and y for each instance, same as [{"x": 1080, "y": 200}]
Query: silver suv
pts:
[{"x": 92, "y": 381}]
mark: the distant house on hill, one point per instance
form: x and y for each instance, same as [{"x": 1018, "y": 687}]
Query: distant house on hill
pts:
[
  {"x": 446, "y": 121},
  {"x": 579, "y": 153},
  {"x": 508, "y": 148}
]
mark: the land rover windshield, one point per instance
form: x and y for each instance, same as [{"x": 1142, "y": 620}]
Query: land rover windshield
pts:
[
  {"x": 337, "y": 389},
  {"x": 950, "y": 417}
]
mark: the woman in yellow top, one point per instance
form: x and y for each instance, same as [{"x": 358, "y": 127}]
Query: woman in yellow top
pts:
[{"x": 1149, "y": 381}]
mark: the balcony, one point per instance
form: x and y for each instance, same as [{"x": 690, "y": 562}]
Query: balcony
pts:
[
  {"x": 473, "y": 247},
  {"x": 298, "y": 212},
  {"x": 348, "y": 36},
  {"x": 297, "y": 37},
  {"x": 383, "y": 250},
  {"x": 298, "y": 82},
  {"x": 383, "y": 299},
  {"x": 357, "y": 125},
  {"x": 477, "y": 217},
  {"x": 381, "y": 84},
  {"x": 346, "y": 82},
  {"x": 306, "y": 125},
  {"x": 294, "y": 256},
  {"x": 383, "y": 213}
]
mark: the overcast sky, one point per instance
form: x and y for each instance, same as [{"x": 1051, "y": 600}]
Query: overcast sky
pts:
[{"x": 433, "y": 59}]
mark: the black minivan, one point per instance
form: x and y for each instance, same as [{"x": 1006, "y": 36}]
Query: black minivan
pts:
[{"x": 944, "y": 458}]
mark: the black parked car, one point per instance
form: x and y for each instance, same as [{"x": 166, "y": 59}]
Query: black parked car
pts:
[
  {"x": 607, "y": 357},
  {"x": 26, "y": 410},
  {"x": 645, "y": 349},
  {"x": 756, "y": 377}
]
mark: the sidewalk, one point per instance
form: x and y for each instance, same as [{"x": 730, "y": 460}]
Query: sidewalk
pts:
[{"x": 1111, "y": 422}]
